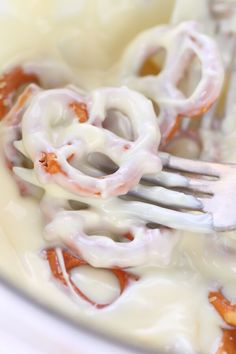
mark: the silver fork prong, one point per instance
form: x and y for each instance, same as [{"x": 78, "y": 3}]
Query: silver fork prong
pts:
[
  {"x": 165, "y": 196},
  {"x": 201, "y": 185},
  {"x": 176, "y": 180},
  {"x": 192, "y": 166},
  {"x": 199, "y": 222},
  {"x": 167, "y": 179}
]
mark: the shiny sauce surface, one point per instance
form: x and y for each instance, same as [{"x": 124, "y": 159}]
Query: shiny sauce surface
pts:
[{"x": 168, "y": 307}]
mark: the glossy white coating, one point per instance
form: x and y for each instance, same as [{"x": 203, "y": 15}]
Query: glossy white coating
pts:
[{"x": 168, "y": 307}]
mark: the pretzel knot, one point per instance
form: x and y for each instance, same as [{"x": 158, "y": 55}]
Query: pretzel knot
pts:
[
  {"x": 181, "y": 43},
  {"x": 61, "y": 129}
]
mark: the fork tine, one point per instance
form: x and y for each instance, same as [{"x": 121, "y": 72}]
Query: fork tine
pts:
[
  {"x": 199, "y": 222},
  {"x": 176, "y": 180},
  {"x": 166, "y": 197},
  {"x": 192, "y": 166},
  {"x": 167, "y": 179},
  {"x": 200, "y": 185}
]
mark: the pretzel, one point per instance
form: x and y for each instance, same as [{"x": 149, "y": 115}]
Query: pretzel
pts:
[
  {"x": 227, "y": 310},
  {"x": 10, "y": 82},
  {"x": 224, "y": 307},
  {"x": 181, "y": 43},
  {"x": 62, "y": 262},
  {"x": 11, "y": 127},
  {"x": 82, "y": 117},
  {"x": 228, "y": 342},
  {"x": 79, "y": 231},
  {"x": 18, "y": 84}
]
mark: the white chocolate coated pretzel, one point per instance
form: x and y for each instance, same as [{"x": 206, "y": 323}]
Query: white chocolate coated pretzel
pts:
[
  {"x": 89, "y": 234},
  {"x": 51, "y": 127},
  {"x": 181, "y": 43}
]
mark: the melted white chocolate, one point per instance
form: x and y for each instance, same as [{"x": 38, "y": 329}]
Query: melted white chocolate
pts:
[{"x": 168, "y": 307}]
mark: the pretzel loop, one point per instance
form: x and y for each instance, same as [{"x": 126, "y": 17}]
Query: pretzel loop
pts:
[
  {"x": 181, "y": 43},
  {"x": 53, "y": 137},
  {"x": 100, "y": 238}
]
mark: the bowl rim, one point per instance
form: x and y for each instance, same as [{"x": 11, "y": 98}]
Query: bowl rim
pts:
[{"x": 74, "y": 324}]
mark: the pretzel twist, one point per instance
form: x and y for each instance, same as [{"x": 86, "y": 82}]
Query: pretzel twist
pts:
[
  {"x": 181, "y": 44},
  {"x": 61, "y": 127}
]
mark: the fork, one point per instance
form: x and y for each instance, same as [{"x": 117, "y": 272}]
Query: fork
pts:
[
  {"x": 220, "y": 13},
  {"x": 202, "y": 193},
  {"x": 196, "y": 188},
  {"x": 187, "y": 195}
]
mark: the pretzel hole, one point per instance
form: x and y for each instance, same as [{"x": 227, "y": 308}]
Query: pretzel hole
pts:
[
  {"x": 76, "y": 205},
  {"x": 155, "y": 107},
  {"x": 190, "y": 77},
  {"x": 105, "y": 232},
  {"x": 119, "y": 124},
  {"x": 153, "y": 64},
  {"x": 95, "y": 164},
  {"x": 99, "y": 285},
  {"x": 153, "y": 225},
  {"x": 115, "y": 235},
  {"x": 184, "y": 146},
  {"x": 103, "y": 163}
]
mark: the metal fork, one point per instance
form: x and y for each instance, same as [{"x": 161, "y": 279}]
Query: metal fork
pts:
[
  {"x": 197, "y": 187},
  {"x": 188, "y": 195},
  {"x": 193, "y": 187}
]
